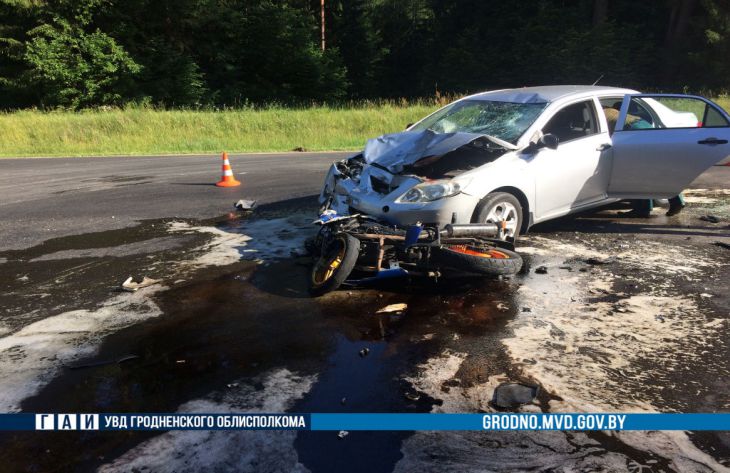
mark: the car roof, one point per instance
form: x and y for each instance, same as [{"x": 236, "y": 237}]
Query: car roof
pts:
[{"x": 547, "y": 93}]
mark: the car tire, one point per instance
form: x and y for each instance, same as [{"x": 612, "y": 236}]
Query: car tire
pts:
[{"x": 495, "y": 207}]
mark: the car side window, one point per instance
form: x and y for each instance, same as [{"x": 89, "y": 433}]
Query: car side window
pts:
[
  {"x": 573, "y": 122},
  {"x": 667, "y": 112},
  {"x": 611, "y": 107}
]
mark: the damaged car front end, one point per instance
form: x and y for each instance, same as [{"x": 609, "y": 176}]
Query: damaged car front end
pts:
[
  {"x": 434, "y": 172},
  {"x": 415, "y": 176}
]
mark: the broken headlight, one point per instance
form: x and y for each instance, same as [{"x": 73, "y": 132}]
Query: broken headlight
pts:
[{"x": 430, "y": 191}]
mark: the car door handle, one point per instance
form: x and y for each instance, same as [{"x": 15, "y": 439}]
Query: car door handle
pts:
[
  {"x": 712, "y": 141},
  {"x": 603, "y": 147}
]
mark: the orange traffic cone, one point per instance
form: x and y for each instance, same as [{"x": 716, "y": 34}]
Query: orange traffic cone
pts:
[{"x": 227, "y": 180}]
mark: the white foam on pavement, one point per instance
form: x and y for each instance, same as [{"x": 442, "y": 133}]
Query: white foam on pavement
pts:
[
  {"x": 258, "y": 239},
  {"x": 241, "y": 451},
  {"x": 224, "y": 247},
  {"x": 615, "y": 356},
  {"x": 491, "y": 451},
  {"x": 597, "y": 356},
  {"x": 32, "y": 356}
]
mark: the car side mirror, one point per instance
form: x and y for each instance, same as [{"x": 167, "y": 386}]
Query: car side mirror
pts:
[{"x": 549, "y": 141}]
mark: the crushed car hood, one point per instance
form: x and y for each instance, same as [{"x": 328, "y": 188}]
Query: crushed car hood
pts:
[{"x": 397, "y": 150}]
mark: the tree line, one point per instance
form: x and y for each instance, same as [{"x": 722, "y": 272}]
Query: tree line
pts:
[{"x": 187, "y": 53}]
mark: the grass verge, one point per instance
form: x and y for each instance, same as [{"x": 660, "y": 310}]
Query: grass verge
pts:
[
  {"x": 147, "y": 131},
  {"x": 141, "y": 131}
]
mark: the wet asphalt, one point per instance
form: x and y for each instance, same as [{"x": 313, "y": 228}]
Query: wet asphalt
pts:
[{"x": 221, "y": 327}]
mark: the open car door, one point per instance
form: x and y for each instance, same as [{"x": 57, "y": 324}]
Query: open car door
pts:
[{"x": 662, "y": 142}]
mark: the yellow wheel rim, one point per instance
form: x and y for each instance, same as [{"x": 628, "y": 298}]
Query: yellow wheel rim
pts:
[{"x": 327, "y": 266}]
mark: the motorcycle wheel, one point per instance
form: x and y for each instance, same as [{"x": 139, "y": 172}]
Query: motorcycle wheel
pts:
[
  {"x": 334, "y": 264},
  {"x": 478, "y": 258}
]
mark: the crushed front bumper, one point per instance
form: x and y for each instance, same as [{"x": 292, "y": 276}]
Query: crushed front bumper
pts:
[{"x": 347, "y": 197}]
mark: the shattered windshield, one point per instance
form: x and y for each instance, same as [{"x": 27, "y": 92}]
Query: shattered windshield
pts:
[{"x": 504, "y": 120}]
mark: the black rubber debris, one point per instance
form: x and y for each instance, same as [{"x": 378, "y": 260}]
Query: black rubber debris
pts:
[
  {"x": 512, "y": 395},
  {"x": 599, "y": 261},
  {"x": 710, "y": 218},
  {"x": 94, "y": 364},
  {"x": 541, "y": 270}
]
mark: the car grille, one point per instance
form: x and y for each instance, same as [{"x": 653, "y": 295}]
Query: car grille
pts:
[{"x": 379, "y": 186}]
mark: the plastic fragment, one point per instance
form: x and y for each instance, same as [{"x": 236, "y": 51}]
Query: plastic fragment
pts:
[
  {"x": 130, "y": 285},
  {"x": 393, "y": 308},
  {"x": 245, "y": 204}
]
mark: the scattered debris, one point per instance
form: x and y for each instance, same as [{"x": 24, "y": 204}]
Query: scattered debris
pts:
[
  {"x": 722, "y": 245},
  {"x": 705, "y": 295},
  {"x": 343, "y": 401},
  {"x": 364, "y": 352},
  {"x": 501, "y": 306},
  {"x": 393, "y": 308},
  {"x": 511, "y": 395},
  {"x": 659, "y": 317},
  {"x": 232, "y": 385},
  {"x": 343, "y": 433},
  {"x": 130, "y": 285},
  {"x": 598, "y": 261},
  {"x": 95, "y": 364},
  {"x": 568, "y": 268},
  {"x": 412, "y": 396},
  {"x": 180, "y": 362},
  {"x": 710, "y": 218},
  {"x": 23, "y": 278},
  {"x": 245, "y": 205},
  {"x": 526, "y": 309},
  {"x": 541, "y": 270}
]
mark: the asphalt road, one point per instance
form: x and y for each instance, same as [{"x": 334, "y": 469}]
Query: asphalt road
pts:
[
  {"x": 629, "y": 315},
  {"x": 52, "y": 197}
]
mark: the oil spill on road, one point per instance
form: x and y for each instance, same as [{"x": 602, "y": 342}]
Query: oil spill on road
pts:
[
  {"x": 233, "y": 327},
  {"x": 253, "y": 327},
  {"x": 80, "y": 271}
]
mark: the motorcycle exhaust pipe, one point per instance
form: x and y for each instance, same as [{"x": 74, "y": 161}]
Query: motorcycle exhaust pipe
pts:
[{"x": 471, "y": 230}]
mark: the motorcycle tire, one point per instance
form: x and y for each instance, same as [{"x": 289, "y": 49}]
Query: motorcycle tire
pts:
[
  {"x": 334, "y": 264},
  {"x": 475, "y": 258}
]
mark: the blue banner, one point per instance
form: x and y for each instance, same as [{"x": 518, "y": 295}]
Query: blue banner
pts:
[{"x": 373, "y": 422}]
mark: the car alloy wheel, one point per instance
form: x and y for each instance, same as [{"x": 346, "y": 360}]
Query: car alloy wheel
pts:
[
  {"x": 504, "y": 212},
  {"x": 501, "y": 208}
]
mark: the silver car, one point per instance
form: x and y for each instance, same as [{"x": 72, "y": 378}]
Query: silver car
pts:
[{"x": 523, "y": 156}]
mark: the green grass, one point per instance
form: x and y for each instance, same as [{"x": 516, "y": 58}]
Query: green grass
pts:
[
  {"x": 147, "y": 131},
  {"x": 140, "y": 130}
]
